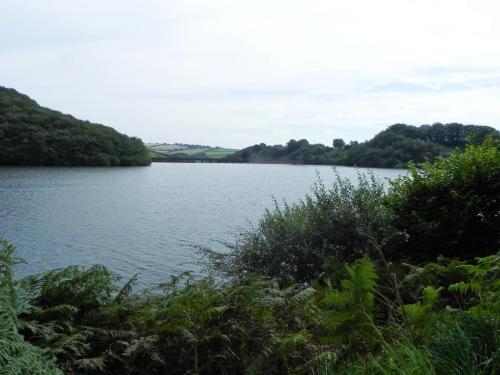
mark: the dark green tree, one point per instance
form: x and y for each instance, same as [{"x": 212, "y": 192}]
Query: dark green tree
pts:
[
  {"x": 338, "y": 143},
  {"x": 33, "y": 135}
]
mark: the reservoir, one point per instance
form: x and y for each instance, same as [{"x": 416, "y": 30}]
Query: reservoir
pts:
[{"x": 143, "y": 219}]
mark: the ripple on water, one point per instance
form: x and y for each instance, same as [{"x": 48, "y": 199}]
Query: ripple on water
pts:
[{"x": 141, "y": 219}]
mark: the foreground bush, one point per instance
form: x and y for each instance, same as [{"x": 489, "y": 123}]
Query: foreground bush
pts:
[
  {"x": 450, "y": 207},
  {"x": 81, "y": 321},
  {"x": 337, "y": 224}
]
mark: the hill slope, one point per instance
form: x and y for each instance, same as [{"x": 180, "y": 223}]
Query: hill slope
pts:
[
  {"x": 33, "y": 135},
  {"x": 187, "y": 151},
  {"x": 394, "y": 147}
]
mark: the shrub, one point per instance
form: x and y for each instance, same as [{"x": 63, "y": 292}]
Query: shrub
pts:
[
  {"x": 80, "y": 319},
  {"x": 295, "y": 240},
  {"x": 450, "y": 207},
  {"x": 482, "y": 286},
  {"x": 249, "y": 326}
]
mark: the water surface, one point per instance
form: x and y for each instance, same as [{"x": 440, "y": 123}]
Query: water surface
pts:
[{"x": 141, "y": 219}]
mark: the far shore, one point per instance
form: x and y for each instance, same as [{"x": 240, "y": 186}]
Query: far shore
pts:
[{"x": 239, "y": 161}]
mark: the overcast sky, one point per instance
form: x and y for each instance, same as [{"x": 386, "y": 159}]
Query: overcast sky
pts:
[{"x": 234, "y": 72}]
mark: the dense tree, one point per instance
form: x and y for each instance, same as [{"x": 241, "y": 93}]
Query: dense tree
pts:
[
  {"x": 394, "y": 147},
  {"x": 338, "y": 143},
  {"x": 33, "y": 135}
]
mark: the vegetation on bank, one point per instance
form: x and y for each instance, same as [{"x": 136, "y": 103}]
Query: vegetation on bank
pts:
[
  {"x": 331, "y": 285},
  {"x": 33, "y": 135},
  {"x": 394, "y": 147}
]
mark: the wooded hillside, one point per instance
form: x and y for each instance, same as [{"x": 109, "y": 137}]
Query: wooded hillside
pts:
[{"x": 33, "y": 135}]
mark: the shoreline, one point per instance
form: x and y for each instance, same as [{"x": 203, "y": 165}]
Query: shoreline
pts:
[{"x": 270, "y": 162}]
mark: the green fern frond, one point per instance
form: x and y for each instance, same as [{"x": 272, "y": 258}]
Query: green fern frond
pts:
[
  {"x": 126, "y": 289},
  {"x": 351, "y": 307},
  {"x": 303, "y": 296},
  {"x": 94, "y": 363}
]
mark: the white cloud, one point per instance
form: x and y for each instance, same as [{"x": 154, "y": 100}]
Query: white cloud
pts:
[{"x": 233, "y": 73}]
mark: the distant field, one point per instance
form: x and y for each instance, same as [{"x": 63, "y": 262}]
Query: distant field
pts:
[
  {"x": 219, "y": 152},
  {"x": 191, "y": 151},
  {"x": 154, "y": 154},
  {"x": 166, "y": 150}
]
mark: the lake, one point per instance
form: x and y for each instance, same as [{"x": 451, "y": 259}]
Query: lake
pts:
[{"x": 142, "y": 219}]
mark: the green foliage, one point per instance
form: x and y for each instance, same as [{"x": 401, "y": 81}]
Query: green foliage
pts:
[
  {"x": 467, "y": 345},
  {"x": 338, "y": 143},
  {"x": 295, "y": 240},
  {"x": 402, "y": 358},
  {"x": 76, "y": 313},
  {"x": 482, "y": 285},
  {"x": 394, "y": 147},
  {"x": 349, "y": 316},
  {"x": 450, "y": 207},
  {"x": 17, "y": 356},
  {"x": 439, "y": 275},
  {"x": 85, "y": 321},
  {"x": 205, "y": 328},
  {"x": 420, "y": 317},
  {"x": 33, "y": 135},
  {"x": 89, "y": 325}
]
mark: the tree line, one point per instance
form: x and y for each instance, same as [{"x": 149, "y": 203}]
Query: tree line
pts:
[
  {"x": 33, "y": 135},
  {"x": 394, "y": 147}
]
